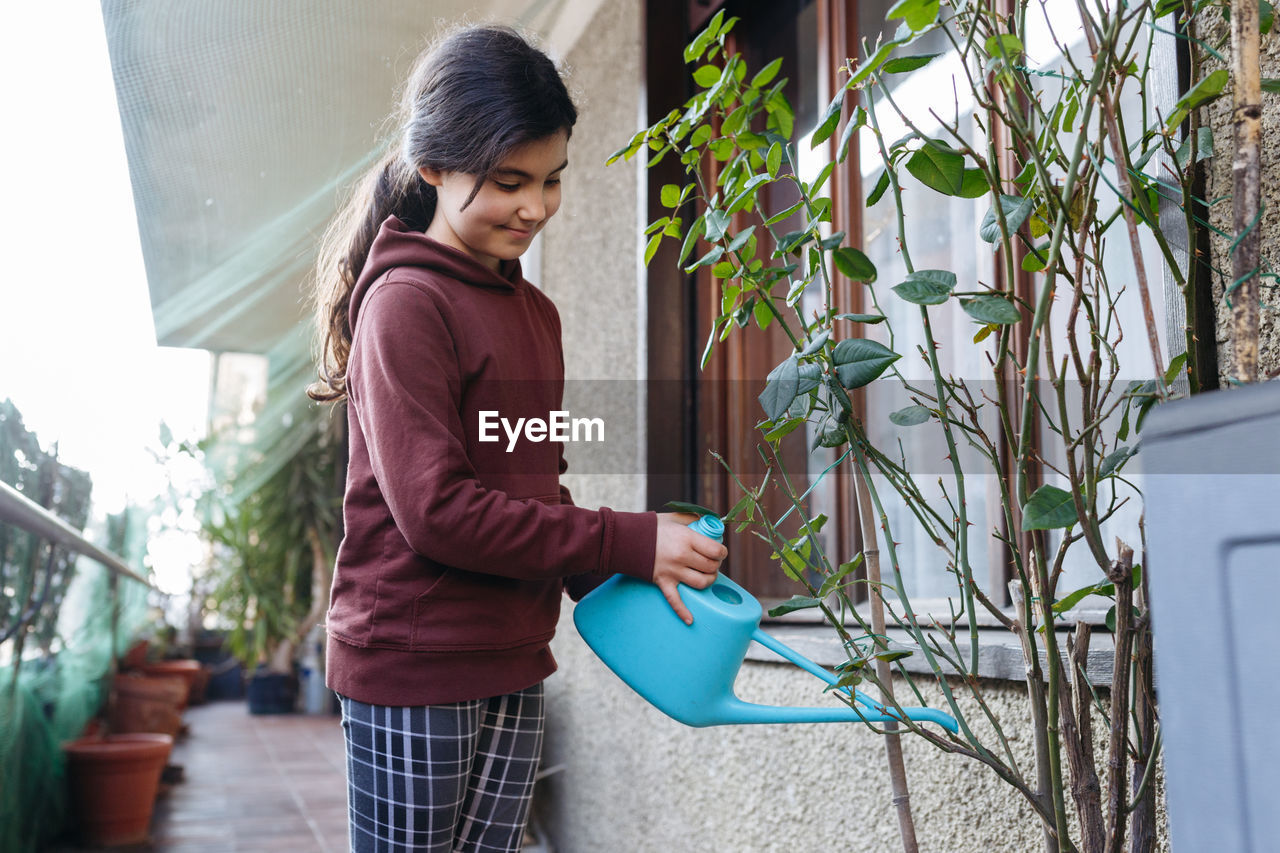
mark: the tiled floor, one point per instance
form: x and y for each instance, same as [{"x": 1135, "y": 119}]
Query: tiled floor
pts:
[
  {"x": 254, "y": 784},
  {"x": 251, "y": 784},
  {"x": 266, "y": 784}
]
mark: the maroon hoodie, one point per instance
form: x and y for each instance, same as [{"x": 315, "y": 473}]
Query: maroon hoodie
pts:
[{"x": 449, "y": 576}]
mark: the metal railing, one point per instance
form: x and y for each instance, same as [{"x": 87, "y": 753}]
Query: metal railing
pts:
[{"x": 21, "y": 511}]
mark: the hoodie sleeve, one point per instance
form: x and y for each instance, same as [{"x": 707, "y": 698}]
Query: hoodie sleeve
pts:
[{"x": 404, "y": 386}]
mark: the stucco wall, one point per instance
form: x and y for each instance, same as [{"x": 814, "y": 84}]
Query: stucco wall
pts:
[
  {"x": 1218, "y": 116},
  {"x": 635, "y": 781},
  {"x": 591, "y": 261}
]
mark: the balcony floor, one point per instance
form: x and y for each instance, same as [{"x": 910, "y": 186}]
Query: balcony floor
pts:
[{"x": 253, "y": 784}]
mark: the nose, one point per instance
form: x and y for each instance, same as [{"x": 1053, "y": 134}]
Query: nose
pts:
[{"x": 533, "y": 206}]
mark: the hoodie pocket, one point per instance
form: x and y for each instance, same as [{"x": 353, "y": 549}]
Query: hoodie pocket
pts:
[{"x": 471, "y": 610}]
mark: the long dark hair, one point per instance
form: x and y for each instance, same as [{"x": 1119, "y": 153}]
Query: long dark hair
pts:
[{"x": 473, "y": 97}]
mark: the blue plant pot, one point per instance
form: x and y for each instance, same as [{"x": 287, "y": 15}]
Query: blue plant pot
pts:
[{"x": 272, "y": 693}]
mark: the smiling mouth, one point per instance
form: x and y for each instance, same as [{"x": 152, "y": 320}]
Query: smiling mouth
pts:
[{"x": 519, "y": 232}]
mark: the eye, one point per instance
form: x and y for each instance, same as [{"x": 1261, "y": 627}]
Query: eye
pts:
[
  {"x": 510, "y": 188},
  {"x": 553, "y": 182}
]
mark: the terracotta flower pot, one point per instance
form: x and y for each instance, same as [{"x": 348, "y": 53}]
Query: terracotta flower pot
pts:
[
  {"x": 147, "y": 704},
  {"x": 136, "y": 656},
  {"x": 113, "y": 783},
  {"x": 188, "y": 670}
]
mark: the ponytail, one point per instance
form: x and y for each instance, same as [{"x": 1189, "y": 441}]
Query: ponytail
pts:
[
  {"x": 472, "y": 98},
  {"x": 391, "y": 188}
]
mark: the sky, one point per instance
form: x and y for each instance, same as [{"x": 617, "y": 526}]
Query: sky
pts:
[{"x": 77, "y": 343}]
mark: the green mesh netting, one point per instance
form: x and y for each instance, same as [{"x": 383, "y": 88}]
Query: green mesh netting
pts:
[{"x": 56, "y": 635}]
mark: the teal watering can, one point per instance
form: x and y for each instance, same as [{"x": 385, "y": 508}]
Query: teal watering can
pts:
[{"x": 688, "y": 671}]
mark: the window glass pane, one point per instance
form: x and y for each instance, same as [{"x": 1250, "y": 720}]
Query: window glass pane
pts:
[{"x": 942, "y": 234}]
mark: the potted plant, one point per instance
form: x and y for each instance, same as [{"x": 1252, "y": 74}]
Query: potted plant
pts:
[
  {"x": 272, "y": 560},
  {"x": 1073, "y": 165},
  {"x": 113, "y": 782}
]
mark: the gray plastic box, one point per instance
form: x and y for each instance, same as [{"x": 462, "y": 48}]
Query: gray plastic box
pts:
[{"x": 1212, "y": 487}]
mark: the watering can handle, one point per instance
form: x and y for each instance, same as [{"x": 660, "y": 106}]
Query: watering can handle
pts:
[{"x": 880, "y": 711}]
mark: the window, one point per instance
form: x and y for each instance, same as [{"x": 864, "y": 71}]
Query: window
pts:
[{"x": 814, "y": 37}]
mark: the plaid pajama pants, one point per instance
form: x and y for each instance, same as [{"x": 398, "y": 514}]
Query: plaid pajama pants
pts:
[{"x": 442, "y": 778}]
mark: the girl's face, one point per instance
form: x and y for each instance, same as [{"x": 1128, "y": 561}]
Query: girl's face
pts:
[{"x": 511, "y": 207}]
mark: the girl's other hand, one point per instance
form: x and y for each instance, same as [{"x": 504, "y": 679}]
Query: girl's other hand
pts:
[{"x": 684, "y": 557}]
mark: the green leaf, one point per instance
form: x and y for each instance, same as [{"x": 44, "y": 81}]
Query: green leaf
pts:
[
  {"x": 991, "y": 310},
  {"x": 692, "y": 509},
  {"x": 810, "y": 377},
  {"x": 706, "y": 76},
  {"x": 765, "y": 75},
  {"x": 861, "y": 318},
  {"x": 893, "y": 655},
  {"x": 691, "y": 239},
  {"x": 1036, "y": 258},
  {"x": 857, "y": 120},
  {"x": 1111, "y": 464},
  {"x": 773, "y": 160},
  {"x": 783, "y": 214},
  {"x": 816, "y": 344},
  {"x": 781, "y": 388},
  {"x": 1266, "y": 17},
  {"x": 796, "y": 602},
  {"x": 985, "y": 332},
  {"x": 706, "y": 260},
  {"x": 858, "y": 361},
  {"x": 882, "y": 184},
  {"x": 910, "y": 416},
  {"x": 1271, "y": 85},
  {"x": 1111, "y": 618},
  {"x": 740, "y": 239},
  {"x": 904, "y": 64},
  {"x": 938, "y": 168},
  {"x": 872, "y": 62},
  {"x": 1049, "y": 508},
  {"x": 974, "y": 184},
  {"x": 1009, "y": 45},
  {"x": 918, "y": 14},
  {"x": 781, "y": 114},
  {"x": 1204, "y": 147},
  {"x": 700, "y": 136},
  {"x": 927, "y": 287},
  {"x": 854, "y": 265},
  {"x": 717, "y": 222},
  {"x": 830, "y": 119},
  {"x": 1176, "y": 366},
  {"x": 670, "y": 195},
  {"x": 833, "y": 581},
  {"x": 652, "y": 249},
  {"x": 1198, "y": 95},
  {"x": 724, "y": 269},
  {"x": 784, "y": 429},
  {"x": 1064, "y": 604},
  {"x": 1016, "y": 210}
]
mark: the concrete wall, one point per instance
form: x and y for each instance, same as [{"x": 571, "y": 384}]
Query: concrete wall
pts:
[
  {"x": 1218, "y": 116},
  {"x": 635, "y": 781},
  {"x": 591, "y": 261}
]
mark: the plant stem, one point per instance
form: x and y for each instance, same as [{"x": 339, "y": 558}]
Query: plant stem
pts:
[
  {"x": 892, "y": 740},
  {"x": 1121, "y": 575},
  {"x": 1246, "y": 185}
]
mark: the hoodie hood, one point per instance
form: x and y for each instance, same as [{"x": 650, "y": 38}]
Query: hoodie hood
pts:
[{"x": 398, "y": 246}]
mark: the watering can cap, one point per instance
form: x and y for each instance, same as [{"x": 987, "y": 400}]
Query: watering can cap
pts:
[{"x": 710, "y": 526}]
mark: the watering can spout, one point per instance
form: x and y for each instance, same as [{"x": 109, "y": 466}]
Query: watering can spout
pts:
[{"x": 737, "y": 712}]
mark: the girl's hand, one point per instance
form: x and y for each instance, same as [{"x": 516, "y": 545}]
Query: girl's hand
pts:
[{"x": 684, "y": 557}]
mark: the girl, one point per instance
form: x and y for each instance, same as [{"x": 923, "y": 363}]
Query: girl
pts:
[{"x": 456, "y": 551}]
